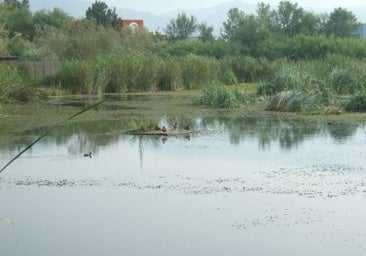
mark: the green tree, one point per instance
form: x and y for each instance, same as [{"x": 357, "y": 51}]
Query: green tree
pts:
[
  {"x": 248, "y": 33},
  {"x": 104, "y": 16},
  {"x": 182, "y": 27},
  {"x": 289, "y": 18},
  {"x": 235, "y": 19},
  {"x": 56, "y": 18},
  {"x": 205, "y": 32},
  {"x": 310, "y": 24},
  {"x": 341, "y": 23},
  {"x": 17, "y": 4},
  {"x": 265, "y": 18},
  {"x": 19, "y": 21}
]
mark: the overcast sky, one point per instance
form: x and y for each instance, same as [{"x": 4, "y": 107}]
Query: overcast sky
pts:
[{"x": 162, "y": 6}]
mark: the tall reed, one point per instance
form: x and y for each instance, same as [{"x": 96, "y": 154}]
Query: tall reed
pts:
[
  {"x": 169, "y": 76},
  {"x": 198, "y": 71},
  {"x": 217, "y": 95},
  {"x": 357, "y": 103},
  {"x": 14, "y": 85}
]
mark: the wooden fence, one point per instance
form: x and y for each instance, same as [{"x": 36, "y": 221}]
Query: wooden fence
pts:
[{"x": 39, "y": 69}]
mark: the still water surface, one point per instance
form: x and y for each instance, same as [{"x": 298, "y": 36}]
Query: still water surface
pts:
[{"x": 239, "y": 186}]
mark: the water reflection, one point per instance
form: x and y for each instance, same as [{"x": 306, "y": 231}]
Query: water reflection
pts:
[
  {"x": 267, "y": 180},
  {"x": 82, "y": 137}
]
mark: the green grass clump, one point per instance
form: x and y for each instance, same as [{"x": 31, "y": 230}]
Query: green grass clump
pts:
[
  {"x": 198, "y": 71},
  {"x": 169, "y": 75},
  {"x": 141, "y": 124},
  {"x": 76, "y": 76},
  {"x": 291, "y": 101},
  {"x": 289, "y": 77},
  {"x": 346, "y": 80},
  {"x": 357, "y": 103},
  {"x": 13, "y": 86},
  {"x": 219, "y": 96}
]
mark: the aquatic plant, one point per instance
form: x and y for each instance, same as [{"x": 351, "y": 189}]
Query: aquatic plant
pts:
[
  {"x": 76, "y": 76},
  {"x": 347, "y": 80},
  {"x": 198, "y": 71},
  {"x": 217, "y": 95},
  {"x": 291, "y": 101},
  {"x": 141, "y": 123},
  {"x": 13, "y": 86},
  {"x": 169, "y": 74},
  {"x": 357, "y": 103},
  {"x": 289, "y": 77}
]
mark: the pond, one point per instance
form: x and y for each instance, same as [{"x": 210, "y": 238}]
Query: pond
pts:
[{"x": 241, "y": 185}]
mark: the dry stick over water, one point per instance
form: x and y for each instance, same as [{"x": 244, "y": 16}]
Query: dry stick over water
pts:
[{"x": 47, "y": 132}]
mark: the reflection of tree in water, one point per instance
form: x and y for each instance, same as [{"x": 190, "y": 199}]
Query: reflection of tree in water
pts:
[
  {"x": 288, "y": 133},
  {"x": 340, "y": 132},
  {"x": 140, "y": 140},
  {"x": 82, "y": 137}
]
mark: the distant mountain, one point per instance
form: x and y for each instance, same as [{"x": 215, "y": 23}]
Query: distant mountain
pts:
[
  {"x": 75, "y": 8},
  {"x": 214, "y": 16}
]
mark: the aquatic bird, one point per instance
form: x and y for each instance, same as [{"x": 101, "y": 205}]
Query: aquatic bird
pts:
[
  {"x": 187, "y": 128},
  {"x": 175, "y": 126},
  {"x": 157, "y": 128},
  {"x": 163, "y": 129},
  {"x": 88, "y": 154}
]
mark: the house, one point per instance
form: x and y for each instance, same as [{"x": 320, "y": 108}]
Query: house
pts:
[{"x": 132, "y": 24}]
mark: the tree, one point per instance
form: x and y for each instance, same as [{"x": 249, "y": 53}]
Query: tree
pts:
[
  {"x": 182, "y": 27},
  {"x": 235, "y": 19},
  {"x": 248, "y": 33},
  {"x": 205, "y": 32},
  {"x": 104, "y": 16},
  {"x": 265, "y": 18},
  {"x": 341, "y": 23},
  {"x": 17, "y": 4},
  {"x": 310, "y": 24},
  {"x": 19, "y": 20},
  {"x": 289, "y": 18},
  {"x": 56, "y": 18}
]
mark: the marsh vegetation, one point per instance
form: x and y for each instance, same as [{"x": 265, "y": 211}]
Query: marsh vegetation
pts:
[
  {"x": 310, "y": 67},
  {"x": 274, "y": 160}
]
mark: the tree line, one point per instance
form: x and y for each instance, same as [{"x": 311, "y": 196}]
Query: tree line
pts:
[{"x": 22, "y": 30}]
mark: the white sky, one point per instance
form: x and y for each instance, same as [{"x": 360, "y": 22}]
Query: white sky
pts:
[{"x": 162, "y": 6}]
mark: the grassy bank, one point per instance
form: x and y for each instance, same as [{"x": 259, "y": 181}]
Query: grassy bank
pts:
[{"x": 316, "y": 86}]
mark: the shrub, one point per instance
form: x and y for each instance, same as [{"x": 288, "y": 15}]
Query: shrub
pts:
[{"x": 13, "y": 86}]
